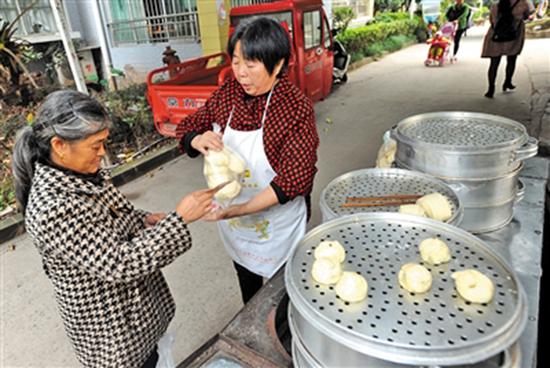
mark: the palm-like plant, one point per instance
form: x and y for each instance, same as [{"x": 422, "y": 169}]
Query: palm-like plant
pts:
[{"x": 12, "y": 48}]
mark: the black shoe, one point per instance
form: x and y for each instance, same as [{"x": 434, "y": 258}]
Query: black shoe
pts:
[
  {"x": 507, "y": 86},
  {"x": 490, "y": 92}
]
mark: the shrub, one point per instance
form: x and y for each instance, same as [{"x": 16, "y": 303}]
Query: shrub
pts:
[
  {"x": 388, "y": 5},
  {"x": 342, "y": 16},
  {"x": 131, "y": 116},
  {"x": 481, "y": 13},
  {"x": 357, "y": 40},
  {"x": 393, "y": 43},
  {"x": 387, "y": 17}
]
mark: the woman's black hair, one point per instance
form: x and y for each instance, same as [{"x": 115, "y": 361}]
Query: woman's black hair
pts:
[
  {"x": 67, "y": 114},
  {"x": 262, "y": 39}
]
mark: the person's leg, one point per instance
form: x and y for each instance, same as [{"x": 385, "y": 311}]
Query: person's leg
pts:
[
  {"x": 458, "y": 36},
  {"x": 249, "y": 282},
  {"x": 492, "y": 76},
  {"x": 510, "y": 68},
  {"x": 439, "y": 52}
]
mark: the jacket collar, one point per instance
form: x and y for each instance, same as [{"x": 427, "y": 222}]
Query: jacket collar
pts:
[{"x": 59, "y": 180}]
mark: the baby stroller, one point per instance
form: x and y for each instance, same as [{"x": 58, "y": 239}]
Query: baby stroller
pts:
[{"x": 440, "y": 45}]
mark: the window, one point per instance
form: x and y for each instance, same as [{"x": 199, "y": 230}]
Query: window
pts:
[
  {"x": 235, "y": 3},
  {"x": 150, "y": 21},
  {"x": 312, "y": 29},
  {"x": 280, "y": 17},
  {"x": 37, "y": 20},
  {"x": 359, "y": 6},
  {"x": 326, "y": 35}
]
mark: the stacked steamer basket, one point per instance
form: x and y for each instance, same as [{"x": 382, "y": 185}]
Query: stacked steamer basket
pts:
[
  {"x": 478, "y": 155},
  {"x": 394, "y": 328},
  {"x": 379, "y": 183}
]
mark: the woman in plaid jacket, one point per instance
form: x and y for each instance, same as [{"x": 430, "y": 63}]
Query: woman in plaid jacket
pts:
[{"x": 101, "y": 254}]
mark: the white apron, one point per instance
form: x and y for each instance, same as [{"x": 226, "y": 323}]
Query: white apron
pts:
[{"x": 261, "y": 242}]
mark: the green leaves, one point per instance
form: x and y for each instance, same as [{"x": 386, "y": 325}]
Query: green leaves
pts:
[
  {"x": 341, "y": 17},
  {"x": 367, "y": 40}
]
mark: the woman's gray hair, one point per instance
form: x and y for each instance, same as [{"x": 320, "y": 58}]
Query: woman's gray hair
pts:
[{"x": 67, "y": 114}]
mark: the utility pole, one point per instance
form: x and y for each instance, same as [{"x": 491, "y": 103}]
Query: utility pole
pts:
[{"x": 72, "y": 57}]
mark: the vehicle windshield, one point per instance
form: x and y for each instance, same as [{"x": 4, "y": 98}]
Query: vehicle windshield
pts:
[{"x": 279, "y": 16}]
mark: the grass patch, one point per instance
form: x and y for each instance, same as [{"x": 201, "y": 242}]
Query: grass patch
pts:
[{"x": 391, "y": 44}]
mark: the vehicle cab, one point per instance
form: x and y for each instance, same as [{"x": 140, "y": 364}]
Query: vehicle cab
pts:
[{"x": 311, "y": 64}]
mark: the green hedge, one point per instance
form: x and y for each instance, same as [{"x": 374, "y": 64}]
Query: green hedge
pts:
[
  {"x": 360, "y": 41},
  {"x": 390, "y": 17}
]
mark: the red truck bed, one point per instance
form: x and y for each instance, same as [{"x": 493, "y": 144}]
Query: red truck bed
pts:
[{"x": 178, "y": 90}]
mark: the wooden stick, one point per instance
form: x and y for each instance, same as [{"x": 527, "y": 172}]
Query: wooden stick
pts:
[
  {"x": 390, "y": 197},
  {"x": 377, "y": 204}
]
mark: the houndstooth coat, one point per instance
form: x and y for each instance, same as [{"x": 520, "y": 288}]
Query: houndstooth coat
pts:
[{"x": 104, "y": 266}]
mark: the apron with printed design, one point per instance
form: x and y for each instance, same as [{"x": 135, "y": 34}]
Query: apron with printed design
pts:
[{"x": 261, "y": 242}]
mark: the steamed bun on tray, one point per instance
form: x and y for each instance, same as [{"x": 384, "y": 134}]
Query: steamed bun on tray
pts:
[
  {"x": 330, "y": 249},
  {"x": 434, "y": 251},
  {"x": 412, "y": 209},
  {"x": 436, "y": 206},
  {"x": 473, "y": 286},
  {"x": 326, "y": 271},
  {"x": 415, "y": 278},
  {"x": 351, "y": 287}
]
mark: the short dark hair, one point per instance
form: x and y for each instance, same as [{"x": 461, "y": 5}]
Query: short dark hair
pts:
[{"x": 264, "y": 40}]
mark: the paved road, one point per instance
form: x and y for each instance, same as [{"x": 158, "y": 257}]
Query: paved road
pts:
[{"x": 376, "y": 97}]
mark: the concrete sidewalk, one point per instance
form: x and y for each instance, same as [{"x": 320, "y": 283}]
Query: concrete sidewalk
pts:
[{"x": 376, "y": 97}]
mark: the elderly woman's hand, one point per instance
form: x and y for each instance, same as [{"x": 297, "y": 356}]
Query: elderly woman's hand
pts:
[
  {"x": 195, "y": 205},
  {"x": 207, "y": 141},
  {"x": 153, "y": 218}
]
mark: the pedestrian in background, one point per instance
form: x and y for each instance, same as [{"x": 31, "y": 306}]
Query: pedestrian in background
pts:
[
  {"x": 459, "y": 12},
  {"x": 505, "y": 39}
]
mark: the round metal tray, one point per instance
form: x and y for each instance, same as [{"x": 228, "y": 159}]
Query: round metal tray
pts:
[
  {"x": 302, "y": 358},
  {"x": 382, "y": 182},
  {"x": 433, "y": 328},
  {"x": 462, "y": 131}
]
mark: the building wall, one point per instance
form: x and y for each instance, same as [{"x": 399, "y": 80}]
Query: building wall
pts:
[
  {"x": 136, "y": 61},
  {"x": 214, "y": 24},
  {"x": 80, "y": 20}
]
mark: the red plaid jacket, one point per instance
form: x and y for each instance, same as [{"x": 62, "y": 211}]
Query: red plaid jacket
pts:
[{"x": 290, "y": 133}]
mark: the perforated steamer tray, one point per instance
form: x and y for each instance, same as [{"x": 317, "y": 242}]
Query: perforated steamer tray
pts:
[
  {"x": 382, "y": 182},
  {"x": 462, "y": 130},
  {"x": 433, "y": 328}
]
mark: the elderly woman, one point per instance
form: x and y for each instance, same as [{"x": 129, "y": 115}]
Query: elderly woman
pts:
[
  {"x": 271, "y": 124},
  {"x": 101, "y": 254},
  {"x": 519, "y": 11}
]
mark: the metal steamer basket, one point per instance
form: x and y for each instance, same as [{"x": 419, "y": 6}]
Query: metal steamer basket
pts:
[
  {"x": 482, "y": 218},
  {"x": 486, "y": 191},
  {"x": 436, "y": 328},
  {"x": 462, "y": 144},
  {"x": 510, "y": 358},
  {"x": 487, "y": 203},
  {"x": 382, "y": 182}
]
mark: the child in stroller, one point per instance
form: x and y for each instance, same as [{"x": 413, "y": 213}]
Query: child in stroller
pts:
[{"x": 440, "y": 45}]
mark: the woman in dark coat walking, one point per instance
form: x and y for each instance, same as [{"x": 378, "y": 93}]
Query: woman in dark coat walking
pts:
[{"x": 520, "y": 10}]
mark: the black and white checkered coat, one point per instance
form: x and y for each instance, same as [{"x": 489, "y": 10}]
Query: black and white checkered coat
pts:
[{"x": 104, "y": 266}]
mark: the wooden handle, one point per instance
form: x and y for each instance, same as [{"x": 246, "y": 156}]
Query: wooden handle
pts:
[
  {"x": 384, "y": 198},
  {"x": 376, "y": 204}
]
